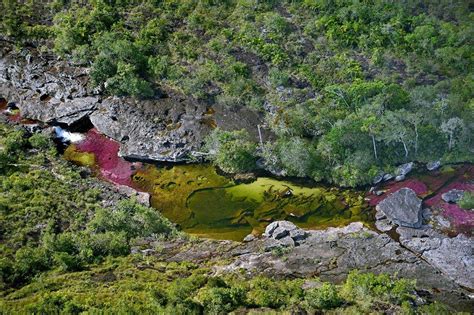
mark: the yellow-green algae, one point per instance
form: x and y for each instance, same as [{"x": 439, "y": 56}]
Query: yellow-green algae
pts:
[
  {"x": 82, "y": 158},
  {"x": 207, "y": 204}
]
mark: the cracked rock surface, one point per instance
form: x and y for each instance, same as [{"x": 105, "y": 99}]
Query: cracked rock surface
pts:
[
  {"x": 170, "y": 128},
  {"x": 332, "y": 253},
  {"x": 402, "y": 208}
]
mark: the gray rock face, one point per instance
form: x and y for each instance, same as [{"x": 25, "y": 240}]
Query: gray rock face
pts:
[
  {"x": 333, "y": 253},
  {"x": 431, "y": 166},
  {"x": 285, "y": 232},
  {"x": 453, "y": 196},
  {"x": 159, "y": 130},
  {"x": 404, "y": 169},
  {"x": 249, "y": 238},
  {"x": 56, "y": 111},
  {"x": 454, "y": 257},
  {"x": 402, "y": 208},
  {"x": 170, "y": 129}
]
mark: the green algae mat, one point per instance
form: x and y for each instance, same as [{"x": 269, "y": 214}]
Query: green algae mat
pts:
[{"x": 205, "y": 203}]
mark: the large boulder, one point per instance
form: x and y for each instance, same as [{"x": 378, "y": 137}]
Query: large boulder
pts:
[
  {"x": 404, "y": 169},
  {"x": 402, "y": 208},
  {"x": 285, "y": 232}
]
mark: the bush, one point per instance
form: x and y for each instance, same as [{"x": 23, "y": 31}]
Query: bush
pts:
[
  {"x": 39, "y": 141},
  {"x": 218, "y": 300},
  {"x": 265, "y": 292},
  {"x": 231, "y": 151},
  {"x": 369, "y": 287},
  {"x": 467, "y": 200},
  {"x": 132, "y": 219},
  {"x": 324, "y": 297}
]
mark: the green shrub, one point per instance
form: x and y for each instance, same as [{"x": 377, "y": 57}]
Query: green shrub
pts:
[
  {"x": 371, "y": 287},
  {"x": 324, "y": 297},
  {"x": 467, "y": 200},
  {"x": 232, "y": 151},
  {"x": 39, "y": 141}
]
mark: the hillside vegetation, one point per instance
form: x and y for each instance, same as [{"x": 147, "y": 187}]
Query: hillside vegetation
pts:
[{"x": 348, "y": 87}]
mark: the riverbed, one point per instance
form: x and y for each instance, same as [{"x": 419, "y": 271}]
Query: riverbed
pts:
[{"x": 205, "y": 203}]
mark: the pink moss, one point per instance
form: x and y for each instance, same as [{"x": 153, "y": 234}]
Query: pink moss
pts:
[
  {"x": 111, "y": 166},
  {"x": 463, "y": 220},
  {"x": 418, "y": 186},
  {"x": 460, "y": 184}
]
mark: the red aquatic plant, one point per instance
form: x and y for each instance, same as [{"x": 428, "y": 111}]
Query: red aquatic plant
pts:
[
  {"x": 418, "y": 187},
  {"x": 111, "y": 166}
]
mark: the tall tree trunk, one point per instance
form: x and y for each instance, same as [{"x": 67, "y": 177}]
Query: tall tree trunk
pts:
[
  {"x": 405, "y": 147},
  {"x": 416, "y": 140},
  {"x": 375, "y": 147}
]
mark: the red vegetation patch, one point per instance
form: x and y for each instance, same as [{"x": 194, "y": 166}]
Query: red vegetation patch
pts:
[
  {"x": 112, "y": 167},
  {"x": 418, "y": 187}
]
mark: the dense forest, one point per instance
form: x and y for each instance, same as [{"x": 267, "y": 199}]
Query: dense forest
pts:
[{"x": 348, "y": 88}]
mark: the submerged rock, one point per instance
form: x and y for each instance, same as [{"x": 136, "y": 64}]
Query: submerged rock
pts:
[
  {"x": 402, "y": 208},
  {"x": 453, "y": 196}
]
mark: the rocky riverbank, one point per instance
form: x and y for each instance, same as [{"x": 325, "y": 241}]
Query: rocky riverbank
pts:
[{"x": 170, "y": 128}]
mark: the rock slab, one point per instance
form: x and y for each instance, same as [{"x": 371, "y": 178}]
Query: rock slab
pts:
[{"x": 402, "y": 208}]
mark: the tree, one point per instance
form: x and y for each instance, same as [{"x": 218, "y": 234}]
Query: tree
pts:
[
  {"x": 395, "y": 130},
  {"x": 450, "y": 128}
]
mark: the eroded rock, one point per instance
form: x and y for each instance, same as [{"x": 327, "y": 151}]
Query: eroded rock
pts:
[{"x": 402, "y": 208}]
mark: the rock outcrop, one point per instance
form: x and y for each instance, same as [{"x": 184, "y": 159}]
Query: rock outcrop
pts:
[
  {"x": 332, "y": 253},
  {"x": 171, "y": 128},
  {"x": 402, "y": 208},
  {"x": 161, "y": 130},
  {"x": 453, "y": 256},
  {"x": 283, "y": 233}
]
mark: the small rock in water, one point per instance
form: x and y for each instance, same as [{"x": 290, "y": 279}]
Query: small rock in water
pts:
[
  {"x": 399, "y": 178},
  {"x": 249, "y": 238},
  {"x": 453, "y": 196},
  {"x": 431, "y": 166},
  {"x": 387, "y": 177},
  {"x": 404, "y": 169},
  {"x": 378, "y": 178}
]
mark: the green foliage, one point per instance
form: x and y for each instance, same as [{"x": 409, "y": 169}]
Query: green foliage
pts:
[
  {"x": 231, "y": 151},
  {"x": 265, "y": 292},
  {"x": 467, "y": 200},
  {"x": 364, "y": 85},
  {"x": 324, "y": 297},
  {"x": 66, "y": 227},
  {"x": 133, "y": 219},
  {"x": 381, "y": 287}
]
